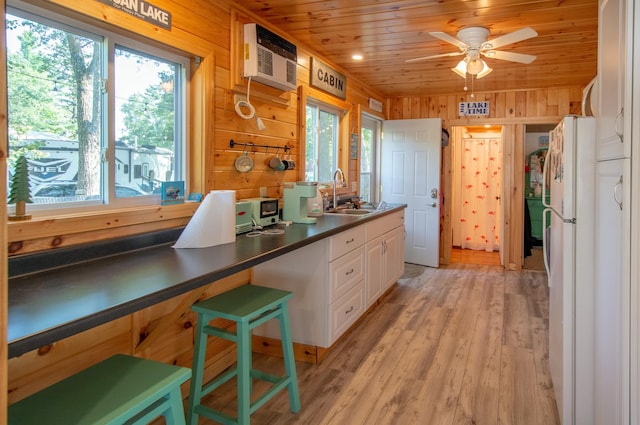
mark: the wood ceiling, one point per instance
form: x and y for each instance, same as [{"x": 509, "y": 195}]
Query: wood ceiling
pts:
[{"x": 387, "y": 33}]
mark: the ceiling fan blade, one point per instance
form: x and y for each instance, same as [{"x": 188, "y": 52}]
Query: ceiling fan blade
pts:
[
  {"x": 443, "y": 55},
  {"x": 510, "y": 56},
  {"x": 449, "y": 39},
  {"x": 512, "y": 37}
]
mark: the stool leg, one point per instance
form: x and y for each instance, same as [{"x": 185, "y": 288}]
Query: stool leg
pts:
[
  {"x": 175, "y": 414},
  {"x": 289, "y": 359},
  {"x": 244, "y": 372},
  {"x": 197, "y": 370}
]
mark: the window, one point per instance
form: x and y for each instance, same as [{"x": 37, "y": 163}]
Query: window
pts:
[
  {"x": 99, "y": 117},
  {"x": 368, "y": 146},
  {"x": 322, "y": 139}
]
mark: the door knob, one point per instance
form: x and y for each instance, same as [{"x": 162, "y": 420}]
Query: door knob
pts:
[{"x": 433, "y": 205}]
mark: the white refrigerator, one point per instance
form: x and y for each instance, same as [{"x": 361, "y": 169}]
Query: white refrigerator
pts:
[{"x": 569, "y": 260}]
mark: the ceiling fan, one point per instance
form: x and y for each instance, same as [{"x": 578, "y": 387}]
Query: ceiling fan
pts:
[{"x": 473, "y": 42}]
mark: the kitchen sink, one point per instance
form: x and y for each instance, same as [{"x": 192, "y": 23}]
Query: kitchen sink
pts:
[{"x": 347, "y": 211}]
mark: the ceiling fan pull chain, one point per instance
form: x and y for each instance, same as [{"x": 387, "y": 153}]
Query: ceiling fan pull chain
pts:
[{"x": 472, "y": 88}]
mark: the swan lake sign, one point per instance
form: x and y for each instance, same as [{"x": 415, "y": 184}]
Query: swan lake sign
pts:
[
  {"x": 142, "y": 10},
  {"x": 466, "y": 109}
]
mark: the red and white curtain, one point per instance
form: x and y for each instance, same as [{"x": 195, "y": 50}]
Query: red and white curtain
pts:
[{"x": 478, "y": 180}]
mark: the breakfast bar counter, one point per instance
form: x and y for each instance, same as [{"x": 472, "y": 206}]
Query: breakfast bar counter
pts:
[{"x": 59, "y": 293}]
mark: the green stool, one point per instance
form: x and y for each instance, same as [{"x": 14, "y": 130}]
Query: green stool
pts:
[
  {"x": 249, "y": 306},
  {"x": 119, "y": 390}
]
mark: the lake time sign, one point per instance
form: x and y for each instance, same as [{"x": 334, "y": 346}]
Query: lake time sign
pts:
[{"x": 473, "y": 108}]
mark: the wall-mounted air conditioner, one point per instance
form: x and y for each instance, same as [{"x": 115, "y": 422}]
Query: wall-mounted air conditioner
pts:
[{"x": 269, "y": 58}]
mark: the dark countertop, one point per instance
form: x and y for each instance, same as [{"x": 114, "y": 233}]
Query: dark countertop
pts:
[{"x": 101, "y": 282}]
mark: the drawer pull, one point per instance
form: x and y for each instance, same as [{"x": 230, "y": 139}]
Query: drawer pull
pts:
[
  {"x": 349, "y": 272},
  {"x": 349, "y": 311},
  {"x": 350, "y": 240}
]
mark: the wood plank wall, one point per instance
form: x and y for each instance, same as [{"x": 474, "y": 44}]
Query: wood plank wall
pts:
[{"x": 513, "y": 110}]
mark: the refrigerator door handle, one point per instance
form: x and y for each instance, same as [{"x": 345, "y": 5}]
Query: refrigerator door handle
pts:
[
  {"x": 545, "y": 173},
  {"x": 545, "y": 242}
]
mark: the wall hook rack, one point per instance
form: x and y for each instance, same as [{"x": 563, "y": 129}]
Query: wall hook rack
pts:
[{"x": 233, "y": 143}]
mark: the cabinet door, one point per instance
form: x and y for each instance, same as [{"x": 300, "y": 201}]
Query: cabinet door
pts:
[
  {"x": 375, "y": 270},
  {"x": 393, "y": 256},
  {"x": 390, "y": 252},
  {"x": 611, "y": 314},
  {"x": 344, "y": 312},
  {"x": 612, "y": 62},
  {"x": 345, "y": 272}
]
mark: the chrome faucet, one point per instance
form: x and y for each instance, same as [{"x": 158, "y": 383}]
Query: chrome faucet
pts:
[{"x": 342, "y": 184}]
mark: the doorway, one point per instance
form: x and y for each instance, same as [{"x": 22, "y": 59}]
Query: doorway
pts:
[
  {"x": 477, "y": 212},
  {"x": 536, "y": 142}
]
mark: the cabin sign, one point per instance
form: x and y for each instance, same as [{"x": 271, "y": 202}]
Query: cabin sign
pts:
[
  {"x": 325, "y": 78},
  {"x": 473, "y": 108}
]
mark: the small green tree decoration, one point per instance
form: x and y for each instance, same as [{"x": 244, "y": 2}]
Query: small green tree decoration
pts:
[{"x": 19, "y": 191}]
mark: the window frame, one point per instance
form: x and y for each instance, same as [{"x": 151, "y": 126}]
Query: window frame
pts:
[
  {"x": 111, "y": 37},
  {"x": 375, "y": 124},
  {"x": 312, "y": 95},
  {"x": 321, "y": 107}
]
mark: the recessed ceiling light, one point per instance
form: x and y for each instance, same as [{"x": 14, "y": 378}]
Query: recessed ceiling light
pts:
[{"x": 357, "y": 57}]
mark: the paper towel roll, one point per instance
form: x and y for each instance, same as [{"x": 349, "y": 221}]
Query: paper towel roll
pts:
[{"x": 214, "y": 222}]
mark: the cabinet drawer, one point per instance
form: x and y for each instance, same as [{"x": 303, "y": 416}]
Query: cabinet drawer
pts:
[
  {"x": 344, "y": 312},
  {"x": 384, "y": 224},
  {"x": 346, "y": 241},
  {"x": 345, "y": 272}
]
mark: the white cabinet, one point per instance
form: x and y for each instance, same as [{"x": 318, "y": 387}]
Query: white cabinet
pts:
[
  {"x": 394, "y": 251},
  {"x": 614, "y": 78},
  {"x": 612, "y": 293},
  {"x": 375, "y": 270},
  {"x": 346, "y": 281},
  {"x": 327, "y": 281},
  {"x": 617, "y": 131},
  {"x": 328, "y": 278},
  {"x": 384, "y": 254}
]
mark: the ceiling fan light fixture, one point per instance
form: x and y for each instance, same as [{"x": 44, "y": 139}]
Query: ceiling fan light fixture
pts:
[
  {"x": 463, "y": 68},
  {"x": 485, "y": 70},
  {"x": 475, "y": 66}
]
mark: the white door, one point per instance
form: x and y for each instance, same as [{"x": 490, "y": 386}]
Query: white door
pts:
[{"x": 410, "y": 174}]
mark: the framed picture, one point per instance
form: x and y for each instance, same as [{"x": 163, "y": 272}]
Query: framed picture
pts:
[
  {"x": 172, "y": 193},
  {"x": 195, "y": 196},
  {"x": 353, "y": 147}
]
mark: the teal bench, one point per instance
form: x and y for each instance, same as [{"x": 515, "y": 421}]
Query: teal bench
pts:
[{"x": 119, "y": 390}]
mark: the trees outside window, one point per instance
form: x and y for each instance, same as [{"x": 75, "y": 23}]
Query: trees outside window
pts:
[
  {"x": 87, "y": 127},
  {"x": 321, "y": 158},
  {"x": 368, "y": 158}
]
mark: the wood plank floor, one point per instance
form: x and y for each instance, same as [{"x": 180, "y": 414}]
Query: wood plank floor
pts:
[
  {"x": 469, "y": 256},
  {"x": 463, "y": 344}
]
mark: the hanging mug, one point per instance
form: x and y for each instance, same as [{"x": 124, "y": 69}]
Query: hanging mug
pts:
[
  {"x": 276, "y": 163},
  {"x": 290, "y": 164}
]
